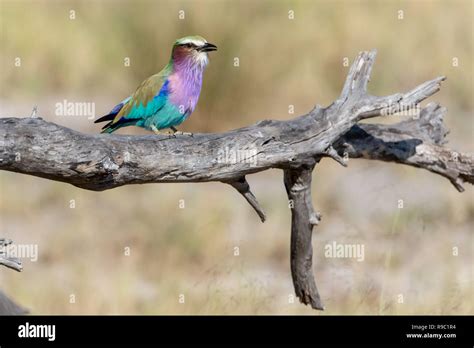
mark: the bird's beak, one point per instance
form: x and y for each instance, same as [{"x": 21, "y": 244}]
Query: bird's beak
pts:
[{"x": 208, "y": 47}]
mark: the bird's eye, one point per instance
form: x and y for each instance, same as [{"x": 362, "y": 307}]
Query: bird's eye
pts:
[{"x": 188, "y": 45}]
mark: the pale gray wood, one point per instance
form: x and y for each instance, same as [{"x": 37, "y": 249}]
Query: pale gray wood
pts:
[
  {"x": 303, "y": 218},
  {"x": 103, "y": 161},
  {"x": 7, "y": 261},
  {"x": 418, "y": 142},
  {"x": 8, "y": 306}
]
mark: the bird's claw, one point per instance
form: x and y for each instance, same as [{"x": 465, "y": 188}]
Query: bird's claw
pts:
[
  {"x": 158, "y": 132},
  {"x": 172, "y": 134},
  {"x": 183, "y": 133}
]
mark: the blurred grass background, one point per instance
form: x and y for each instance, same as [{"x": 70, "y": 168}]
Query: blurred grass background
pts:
[{"x": 190, "y": 251}]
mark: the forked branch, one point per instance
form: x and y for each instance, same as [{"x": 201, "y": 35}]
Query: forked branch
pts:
[{"x": 100, "y": 162}]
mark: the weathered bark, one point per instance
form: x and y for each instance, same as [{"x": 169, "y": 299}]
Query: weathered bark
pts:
[
  {"x": 7, "y": 306},
  {"x": 5, "y": 259},
  {"x": 418, "y": 142},
  {"x": 100, "y": 162},
  {"x": 303, "y": 218}
]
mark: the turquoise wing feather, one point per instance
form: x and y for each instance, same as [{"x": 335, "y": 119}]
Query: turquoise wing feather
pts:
[{"x": 146, "y": 102}]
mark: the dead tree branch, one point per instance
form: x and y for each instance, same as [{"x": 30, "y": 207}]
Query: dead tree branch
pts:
[
  {"x": 100, "y": 162},
  {"x": 7, "y": 261},
  {"x": 8, "y": 306},
  {"x": 303, "y": 218}
]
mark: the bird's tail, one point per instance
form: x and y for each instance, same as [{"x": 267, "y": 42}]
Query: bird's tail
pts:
[
  {"x": 109, "y": 128},
  {"x": 108, "y": 117},
  {"x": 112, "y": 127}
]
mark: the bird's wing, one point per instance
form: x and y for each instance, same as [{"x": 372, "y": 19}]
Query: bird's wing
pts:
[
  {"x": 111, "y": 115},
  {"x": 149, "y": 97}
]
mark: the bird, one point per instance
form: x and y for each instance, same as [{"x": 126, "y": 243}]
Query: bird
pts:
[{"x": 166, "y": 99}]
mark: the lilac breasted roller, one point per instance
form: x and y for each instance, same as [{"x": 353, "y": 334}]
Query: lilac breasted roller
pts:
[{"x": 166, "y": 99}]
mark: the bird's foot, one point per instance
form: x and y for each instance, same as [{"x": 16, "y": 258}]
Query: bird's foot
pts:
[
  {"x": 183, "y": 133},
  {"x": 177, "y": 132},
  {"x": 158, "y": 132}
]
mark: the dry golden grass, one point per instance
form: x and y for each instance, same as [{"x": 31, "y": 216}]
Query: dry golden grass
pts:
[{"x": 190, "y": 251}]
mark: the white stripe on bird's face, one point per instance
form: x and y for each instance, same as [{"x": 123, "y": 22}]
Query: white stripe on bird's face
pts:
[
  {"x": 197, "y": 48},
  {"x": 193, "y": 41}
]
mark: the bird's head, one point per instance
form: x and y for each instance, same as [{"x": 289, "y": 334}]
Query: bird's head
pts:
[{"x": 194, "y": 48}]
